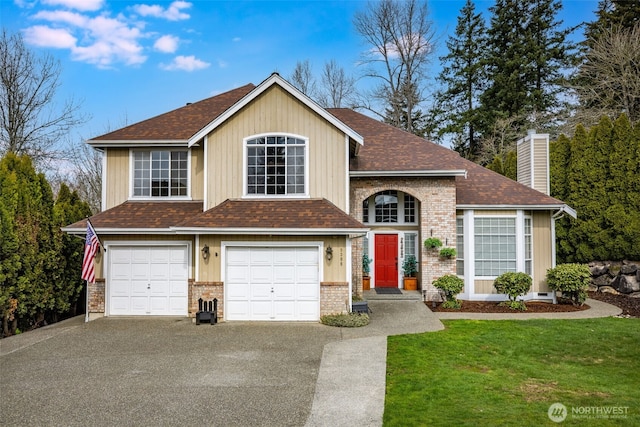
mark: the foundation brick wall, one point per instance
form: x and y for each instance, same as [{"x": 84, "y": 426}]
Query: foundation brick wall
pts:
[
  {"x": 334, "y": 297},
  {"x": 96, "y": 296},
  {"x": 436, "y": 198},
  {"x": 207, "y": 291}
]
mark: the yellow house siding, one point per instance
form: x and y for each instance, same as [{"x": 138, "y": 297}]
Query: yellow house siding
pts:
[
  {"x": 484, "y": 287},
  {"x": 540, "y": 166},
  {"x": 334, "y": 270},
  {"x": 117, "y": 187},
  {"x": 276, "y": 111},
  {"x": 541, "y": 250},
  {"x": 524, "y": 163},
  {"x": 494, "y": 213},
  {"x": 197, "y": 173}
]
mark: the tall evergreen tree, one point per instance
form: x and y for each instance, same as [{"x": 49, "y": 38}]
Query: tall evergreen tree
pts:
[
  {"x": 597, "y": 173},
  {"x": 463, "y": 78},
  {"x": 613, "y": 15},
  {"x": 527, "y": 54}
]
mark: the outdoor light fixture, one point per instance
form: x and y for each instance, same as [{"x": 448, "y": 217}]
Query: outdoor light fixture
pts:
[
  {"x": 205, "y": 252},
  {"x": 329, "y": 252}
]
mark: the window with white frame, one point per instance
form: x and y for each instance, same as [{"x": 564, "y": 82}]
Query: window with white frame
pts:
[
  {"x": 276, "y": 165},
  {"x": 160, "y": 173},
  {"x": 495, "y": 246},
  {"x": 528, "y": 247},
  {"x": 410, "y": 247},
  {"x": 460, "y": 246},
  {"x": 389, "y": 207}
]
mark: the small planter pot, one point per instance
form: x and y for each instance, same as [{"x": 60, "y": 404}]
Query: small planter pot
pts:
[
  {"x": 366, "y": 283},
  {"x": 410, "y": 283}
]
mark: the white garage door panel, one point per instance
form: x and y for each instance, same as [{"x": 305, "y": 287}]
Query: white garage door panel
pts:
[
  {"x": 276, "y": 283},
  {"x": 148, "y": 280}
]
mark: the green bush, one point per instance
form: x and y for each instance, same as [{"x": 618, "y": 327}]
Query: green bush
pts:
[
  {"x": 514, "y": 285},
  {"x": 447, "y": 252},
  {"x": 432, "y": 243},
  {"x": 570, "y": 279},
  {"x": 345, "y": 320},
  {"x": 451, "y": 285},
  {"x": 366, "y": 261}
]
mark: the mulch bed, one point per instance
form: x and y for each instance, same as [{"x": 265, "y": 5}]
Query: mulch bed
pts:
[
  {"x": 630, "y": 306},
  {"x": 493, "y": 307}
]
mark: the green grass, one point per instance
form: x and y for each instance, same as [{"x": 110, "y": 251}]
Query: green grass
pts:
[{"x": 508, "y": 373}]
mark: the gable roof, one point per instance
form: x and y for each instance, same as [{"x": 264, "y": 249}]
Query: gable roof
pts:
[
  {"x": 268, "y": 216},
  {"x": 275, "y": 79},
  {"x": 143, "y": 216},
  {"x": 177, "y": 126},
  {"x": 287, "y": 216},
  {"x": 189, "y": 124},
  {"x": 389, "y": 151}
]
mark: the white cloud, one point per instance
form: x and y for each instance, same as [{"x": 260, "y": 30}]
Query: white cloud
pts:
[
  {"x": 185, "y": 63},
  {"x": 102, "y": 40},
  {"x": 171, "y": 13},
  {"x": 43, "y": 36},
  {"x": 84, "y": 5},
  {"x": 167, "y": 44},
  {"x": 236, "y": 39}
]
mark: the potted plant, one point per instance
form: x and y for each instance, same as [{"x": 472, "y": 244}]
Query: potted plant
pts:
[
  {"x": 432, "y": 243},
  {"x": 410, "y": 268},
  {"x": 447, "y": 253},
  {"x": 366, "y": 279}
]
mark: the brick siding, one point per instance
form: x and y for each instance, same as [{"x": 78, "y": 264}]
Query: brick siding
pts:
[
  {"x": 436, "y": 198},
  {"x": 207, "y": 291},
  {"x": 334, "y": 297}
]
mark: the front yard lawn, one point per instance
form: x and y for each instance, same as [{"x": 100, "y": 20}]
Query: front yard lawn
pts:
[{"x": 477, "y": 373}]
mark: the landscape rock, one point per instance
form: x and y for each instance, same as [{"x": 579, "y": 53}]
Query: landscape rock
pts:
[
  {"x": 635, "y": 295},
  {"x": 626, "y": 284},
  {"x": 598, "y": 270},
  {"x": 592, "y": 288},
  {"x": 608, "y": 290},
  {"x": 628, "y": 269},
  {"x": 603, "y": 280}
]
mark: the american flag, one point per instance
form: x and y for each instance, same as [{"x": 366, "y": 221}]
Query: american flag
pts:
[{"x": 91, "y": 245}]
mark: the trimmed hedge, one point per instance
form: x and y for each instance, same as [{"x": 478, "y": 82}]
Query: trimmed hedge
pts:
[
  {"x": 514, "y": 285},
  {"x": 570, "y": 279},
  {"x": 345, "y": 320}
]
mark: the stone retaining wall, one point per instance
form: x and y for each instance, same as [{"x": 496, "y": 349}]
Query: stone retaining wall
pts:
[{"x": 616, "y": 277}]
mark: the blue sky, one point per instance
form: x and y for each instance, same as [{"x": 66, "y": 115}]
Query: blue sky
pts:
[{"x": 130, "y": 60}]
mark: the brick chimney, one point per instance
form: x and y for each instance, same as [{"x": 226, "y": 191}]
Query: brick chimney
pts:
[{"x": 533, "y": 161}]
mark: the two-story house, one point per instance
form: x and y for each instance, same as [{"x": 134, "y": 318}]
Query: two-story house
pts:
[{"x": 266, "y": 201}]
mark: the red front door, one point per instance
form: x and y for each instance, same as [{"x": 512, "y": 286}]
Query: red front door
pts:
[{"x": 386, "y": 260}]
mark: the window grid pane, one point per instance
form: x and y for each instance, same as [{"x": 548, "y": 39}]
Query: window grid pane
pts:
[
  {"x": 387, "y": 206},
  {"x": 160, "y": 173},
  {"x": 409, "y": 208},
  {"x": 278, "y": 168},
  {"x": 528, "y": 247},
  {"x": 460, "y": 246},
  {"x": 365, "y": 211},
  {"x": 410, "y": 244},
  {"x": 495, "y": 246}
]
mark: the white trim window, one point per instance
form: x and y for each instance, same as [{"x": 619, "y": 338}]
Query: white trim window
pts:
[
  {"x": 460, "y": 246},
  {"x": 495, "y": 246},
  {"x": 389, "y": 207},
  {"x": 528, "y": 246},
  {"x": 276, "y": 165},
  {"x": 160, "y": 173}
]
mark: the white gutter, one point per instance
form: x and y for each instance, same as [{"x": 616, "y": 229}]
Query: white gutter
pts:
[
  {"x": 138, "y": 143},
  {"x": 410, "y": 173},
  {"x": 560, "y": 208},
  {"x": 272, "y": 231}
]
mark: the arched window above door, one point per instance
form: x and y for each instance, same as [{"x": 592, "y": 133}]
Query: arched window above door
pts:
[{"x": 389, "y": 207}]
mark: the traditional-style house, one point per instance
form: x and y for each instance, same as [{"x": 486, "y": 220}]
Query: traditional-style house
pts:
[{"x": 266, "y": 201}]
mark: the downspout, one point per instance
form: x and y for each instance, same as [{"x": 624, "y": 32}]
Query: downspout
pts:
[{"x": 555, "y": 216}]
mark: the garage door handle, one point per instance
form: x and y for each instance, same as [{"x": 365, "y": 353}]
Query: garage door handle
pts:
[{"x": 148, "y": 285}]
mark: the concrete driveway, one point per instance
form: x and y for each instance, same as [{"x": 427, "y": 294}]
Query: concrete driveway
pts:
[
  {"x": 170, "y": 372},
  {"x": 159, "y": 371}
]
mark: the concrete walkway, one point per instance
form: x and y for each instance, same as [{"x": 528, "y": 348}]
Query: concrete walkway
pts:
[{"x": 352, "y": 380}]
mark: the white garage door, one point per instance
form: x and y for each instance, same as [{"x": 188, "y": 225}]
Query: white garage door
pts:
[
  {"x": 279, "y": 283},
  {"x": 148, "y": 280}
]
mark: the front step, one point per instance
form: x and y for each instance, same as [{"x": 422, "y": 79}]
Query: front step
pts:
[{"x": 371, "y": 295}]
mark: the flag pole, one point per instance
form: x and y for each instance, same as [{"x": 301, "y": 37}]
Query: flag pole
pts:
[{"x": 86, "y": 310}]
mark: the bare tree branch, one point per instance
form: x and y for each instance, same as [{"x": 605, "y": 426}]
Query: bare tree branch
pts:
[{"x": 30, "y": 121}]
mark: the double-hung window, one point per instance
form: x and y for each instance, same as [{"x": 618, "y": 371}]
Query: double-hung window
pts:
[
  {"x": 160, "y": 173},
  {"x": 276, "y": 165}
]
